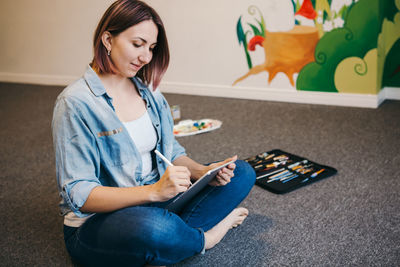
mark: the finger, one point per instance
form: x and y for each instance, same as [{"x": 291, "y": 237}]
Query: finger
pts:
[
  {"x": 217, "y": 181},
  {"x": 184, "y": 184},
  {"x": 180, "y": 173},
  {"x": 213, "y": 183},
  {"x": 214, "y": 165},
  {"x": 223, "y": 179},
  {"x": 223, "y": 182},
  {"x": 182, "y": 181},
  {"x": 181, "y": 176},
  {"x": 179, "y": 182},
  {"x": 179, "y": 169},
  {"x": 231, "y": 166},
  {"x": 182, "y": 189},
  {"x": 234, "y": 158},
  {"x": 222, "y": 176},
  {"x": 228, "y": 172}
]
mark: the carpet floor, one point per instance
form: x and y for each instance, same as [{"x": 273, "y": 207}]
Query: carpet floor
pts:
[{"x": 350, "y": 219}]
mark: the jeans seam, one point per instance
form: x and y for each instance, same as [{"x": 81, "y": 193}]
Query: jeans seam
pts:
[{"x": 203, "y": 250}]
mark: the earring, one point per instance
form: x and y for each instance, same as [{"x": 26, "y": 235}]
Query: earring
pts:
[{"x": 108, "y": 52}]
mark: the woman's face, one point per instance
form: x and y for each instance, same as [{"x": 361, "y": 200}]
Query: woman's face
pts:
[{"x": 133, "y": 48}]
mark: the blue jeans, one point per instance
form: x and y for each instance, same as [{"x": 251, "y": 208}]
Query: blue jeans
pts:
[{"x": 148, "y": 234}]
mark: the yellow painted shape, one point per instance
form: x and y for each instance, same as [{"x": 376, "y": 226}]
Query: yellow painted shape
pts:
[{"x": 357, "y": 75}]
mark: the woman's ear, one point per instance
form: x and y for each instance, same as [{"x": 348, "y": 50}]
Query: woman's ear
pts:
[{"x": 106, "y": 38}]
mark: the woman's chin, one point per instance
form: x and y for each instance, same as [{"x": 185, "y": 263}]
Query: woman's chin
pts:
[{"x": 129, "y": 74}]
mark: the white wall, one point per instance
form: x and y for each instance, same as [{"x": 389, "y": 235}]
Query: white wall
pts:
[
  {"x": 50, "y": 42},
  {"x": 47, "y": 41}
]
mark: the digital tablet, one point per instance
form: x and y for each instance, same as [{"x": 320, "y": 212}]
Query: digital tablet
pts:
[{"x": 183, "y": 198}]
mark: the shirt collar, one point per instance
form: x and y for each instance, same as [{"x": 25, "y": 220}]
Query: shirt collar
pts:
[
  {"x": 97, "y": 88},
  {"x": 139, "y": 85},
  {"x": 94, "y": 82}
]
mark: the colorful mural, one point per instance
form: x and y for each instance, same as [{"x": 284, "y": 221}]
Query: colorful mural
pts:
[{"x": 334, "y": 45}]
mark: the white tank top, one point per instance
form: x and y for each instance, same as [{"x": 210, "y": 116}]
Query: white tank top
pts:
[{"x": 144, "y": 136}]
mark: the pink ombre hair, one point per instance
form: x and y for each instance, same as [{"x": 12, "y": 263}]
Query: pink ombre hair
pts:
[{"x": 120, "y": 16}]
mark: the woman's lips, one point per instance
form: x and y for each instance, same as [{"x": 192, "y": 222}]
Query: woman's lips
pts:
[{"x": 136, "y": 66}]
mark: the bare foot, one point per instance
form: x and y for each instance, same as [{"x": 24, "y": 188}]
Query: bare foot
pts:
[{"x": 234, "y": 219}]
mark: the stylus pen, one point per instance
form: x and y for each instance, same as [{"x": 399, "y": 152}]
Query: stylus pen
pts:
[{"x": 163, "y": 158}]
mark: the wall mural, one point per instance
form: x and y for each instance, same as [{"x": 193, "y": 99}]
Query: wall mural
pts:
[{"x": 345, "y": 46}]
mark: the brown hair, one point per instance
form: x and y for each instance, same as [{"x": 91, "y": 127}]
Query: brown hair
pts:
[{"x": 120, "y": 16}]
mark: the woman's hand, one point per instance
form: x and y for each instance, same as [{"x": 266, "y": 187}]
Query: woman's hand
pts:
[
  {"x": 224, "y": 175},
  {"x": 175, "y": 180}
]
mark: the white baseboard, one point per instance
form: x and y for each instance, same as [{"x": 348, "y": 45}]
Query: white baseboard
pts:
[
  {"x": 37, "y": 78},
  {"x": 282, "y": 95},
  {"x": 254, "y": 93},
  {"x": 392, "y": 93}
]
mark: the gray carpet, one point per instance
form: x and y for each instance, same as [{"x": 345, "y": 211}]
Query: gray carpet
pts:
[{"x": 350, "y": 219}]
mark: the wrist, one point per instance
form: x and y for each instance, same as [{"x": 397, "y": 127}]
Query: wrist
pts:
[
  {"x": 199, "y": 171},
  {"x": 153, "y": 193}
]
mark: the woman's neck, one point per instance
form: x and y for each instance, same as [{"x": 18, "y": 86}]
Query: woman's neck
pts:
[{"x": 116, "y": 84}]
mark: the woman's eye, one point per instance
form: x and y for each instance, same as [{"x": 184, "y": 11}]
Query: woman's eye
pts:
[{"x": 136, "y": 45}]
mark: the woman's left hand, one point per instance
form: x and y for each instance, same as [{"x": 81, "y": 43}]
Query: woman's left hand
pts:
[{"x": 224, "y": 175}]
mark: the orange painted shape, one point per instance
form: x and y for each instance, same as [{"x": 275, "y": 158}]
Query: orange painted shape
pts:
[{"x": 286, "y": 52}]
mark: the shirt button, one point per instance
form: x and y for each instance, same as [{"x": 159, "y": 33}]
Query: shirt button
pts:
[{"x": 157, "y": 125}]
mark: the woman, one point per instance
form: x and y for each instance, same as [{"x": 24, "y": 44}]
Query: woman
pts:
[{"x": 106, "y": 127}]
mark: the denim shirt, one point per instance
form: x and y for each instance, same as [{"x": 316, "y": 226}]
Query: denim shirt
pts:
[{"x": 92, "y": 146}]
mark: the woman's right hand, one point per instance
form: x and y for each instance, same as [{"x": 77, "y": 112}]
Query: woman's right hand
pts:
[{"x": 175, "y": 180}]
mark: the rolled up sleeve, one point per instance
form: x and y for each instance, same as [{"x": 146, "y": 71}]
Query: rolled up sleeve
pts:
[
  {"x": 177, "y": 150},
  {"x": 77, "y": 156},
  {"x": 75, "y": 194}
]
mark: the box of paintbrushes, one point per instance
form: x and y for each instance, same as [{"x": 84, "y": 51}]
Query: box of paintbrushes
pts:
[{"x": 281, "y": 172}]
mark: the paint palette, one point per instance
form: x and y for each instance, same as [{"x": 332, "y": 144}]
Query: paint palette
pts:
[
  {"x": 192, "y": 127},
  {"x": 281, "y": 172}
]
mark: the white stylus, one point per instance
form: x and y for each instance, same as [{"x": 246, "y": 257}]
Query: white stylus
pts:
[{"x": 163, "y": 158}]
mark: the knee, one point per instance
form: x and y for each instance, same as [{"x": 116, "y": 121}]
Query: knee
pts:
[
  {"x": 153, "y": 226},
  {"x": 161, "y": 230},
  {"x": 245, "y": 176},
  {"x": 244, "y": 169},
  {"x": 167, "y": 237}
]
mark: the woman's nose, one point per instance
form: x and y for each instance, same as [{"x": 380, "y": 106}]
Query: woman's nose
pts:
[{"x": 146, "y": 56}]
